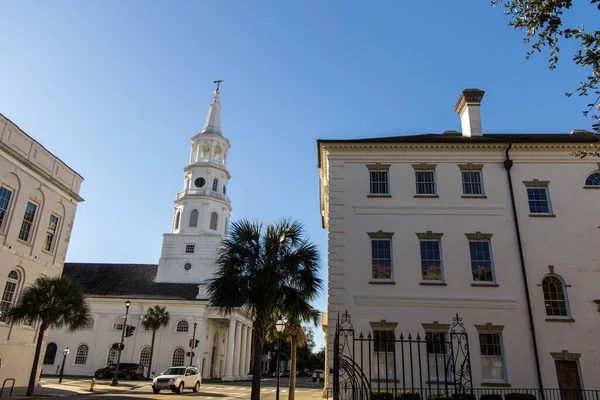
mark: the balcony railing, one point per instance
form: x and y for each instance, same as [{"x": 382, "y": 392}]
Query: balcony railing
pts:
[{"x": 202, "y": 192}]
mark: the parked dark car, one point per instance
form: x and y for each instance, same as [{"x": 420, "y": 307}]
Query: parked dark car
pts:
[
  {"x": 303, "y": 374},
  {"x": 126, "y": 371}
]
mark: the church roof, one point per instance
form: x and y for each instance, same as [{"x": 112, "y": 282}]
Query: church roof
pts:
[{"x": 126, "y": 280}]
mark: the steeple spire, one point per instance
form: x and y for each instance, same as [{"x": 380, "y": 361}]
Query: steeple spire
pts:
[{"x": 213, "y": 119}]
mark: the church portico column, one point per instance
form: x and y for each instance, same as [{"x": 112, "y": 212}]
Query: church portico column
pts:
[
  {"x": 237, "y": 351},
  {"x": 249, "y": 350},
  {"x": 242, "y": 367},
  {"x": 229, "y": 355}
]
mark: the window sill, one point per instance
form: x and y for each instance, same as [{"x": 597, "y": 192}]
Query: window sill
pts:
[
  {"x": 432, "y": 283},
  {"x": 431, "y": 196},
  {"x": 496, "y": 384},
  {"x": 560, "y": 320},
  {"x": 379, "y": 195},
  {"x": 474, "y": 196},
  {"x": 47, "y": 252},
  {"x": 591, "y": 187},
  {"x": 485, "y": 284},
  {"x": 382, "y": 282},
  {"x": 23, "y": 242},
  {"x": 542, "y": 215}
]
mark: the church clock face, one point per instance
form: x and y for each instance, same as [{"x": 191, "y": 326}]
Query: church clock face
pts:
[{"x": 199, "y": 182}]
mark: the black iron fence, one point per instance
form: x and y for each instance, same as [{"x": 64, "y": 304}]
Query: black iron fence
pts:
[{"x": 474, "y": 394}]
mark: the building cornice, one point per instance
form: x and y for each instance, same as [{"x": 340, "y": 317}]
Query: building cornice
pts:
[{"x": 210, "y": 165}]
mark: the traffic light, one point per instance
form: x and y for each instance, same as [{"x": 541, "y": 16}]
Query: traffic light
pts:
[
  {"x": 191, "y": 343},
  {"x": 189, "y": 354},
  {"x": 129, "y": 330},
  {"x": 196, "y": 344}
]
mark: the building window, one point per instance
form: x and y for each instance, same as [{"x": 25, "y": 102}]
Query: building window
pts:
[
  {"x": 176, "y": 222},
  {"x": 215, "y": 186},
  {"x": 81, "y": 355},
  {"x": 118, "y": 325},
  {"x": 555, "y": 298},
  {"x": 178, "y": 357},
  {"x": 51, "y": 232},
  {"x": 8, "y": 296},
  {"x": 472, "y": 183},
  {"x": 214, "y": 219},
  {"x": 194, "y": 219},
  {"x": 145, "y": 357},
  {"x": 226, "y": 226},
  {"x": 50, "y": 354},
  {"x": 189, "y": 248},
  {"x": 379, "y": 179},
  {"x": 381, "y": 255},
  {"x": 482, "y": 265},
  {"x": 538, "y": 197},
  {"x": 27, "y": 224},
  {"x": 592, "y": 180},
  {"x": 492, "y": 359},
  {"x": 112, "y": 356},
  {"x": 384, "y": 348},
  {"x": 431, "y": 260},
  {"x": 5, "y": 196},
  {"x": 437, "y": 355},
  {"x": 425, "y": 182},
  {"x": 224, "y": 189},
  {"x": 182, "y": 326}
]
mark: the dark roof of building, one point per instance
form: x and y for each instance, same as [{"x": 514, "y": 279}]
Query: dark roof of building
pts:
[{"x": 126, "y": 280}]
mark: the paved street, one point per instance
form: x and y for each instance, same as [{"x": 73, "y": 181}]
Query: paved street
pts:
[{"x": 77, "y": 388}]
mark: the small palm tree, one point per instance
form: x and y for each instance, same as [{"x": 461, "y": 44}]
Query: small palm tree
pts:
[
  {"x": 264, "y": 270},
  {"x": 53, "y": 302},
  {"x": 297, "y": 338},
  {"x": 154, "y": 318}
]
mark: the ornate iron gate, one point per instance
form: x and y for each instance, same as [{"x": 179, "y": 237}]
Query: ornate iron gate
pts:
[{"x": 404, "y": 367}]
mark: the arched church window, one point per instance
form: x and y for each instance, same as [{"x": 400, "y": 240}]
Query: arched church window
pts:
[
  {"x": 182, "y": 326},
  {"x": 593, "y": 179},
  {"x": 194, "y": 219},
  {"x": 218, "y": 154},
  {"x": 204, "y": 152},
  {"x": 50, "y": 354},
  {"x": 9, "y": 295},
  {"x": 178, "y": 357},
  {"x": 145, "y": 357},
  {"x": 214, "y": 219},
  {"x": 81, "y": 355},
  {"x": 112, "y": 356},
  {"x": 215, "y": 185},
  {"x": 555, "y": 297},
  {"x": 176, "y": 222},
  {"x": 224, "y": 189}
]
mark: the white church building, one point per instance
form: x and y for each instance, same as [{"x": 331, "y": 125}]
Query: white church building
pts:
[{"x": 178, "y": 282}]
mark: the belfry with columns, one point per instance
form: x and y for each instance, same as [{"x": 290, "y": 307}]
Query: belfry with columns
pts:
[{"x": 201, "y": 212}]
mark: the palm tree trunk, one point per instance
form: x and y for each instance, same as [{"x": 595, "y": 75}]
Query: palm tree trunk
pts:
[
  {"x": 260, "y": 328},
  {"x": 36, "y": 361},
  {"x": 292, "y": 394},
  {"x": 151, "y": 353}
]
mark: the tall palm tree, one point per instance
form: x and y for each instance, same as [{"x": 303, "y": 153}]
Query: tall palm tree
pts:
[
  {"x": 53, "y": 302},
  {"x": 264, "y": 269},
  {"x": 154, "y": 318}
]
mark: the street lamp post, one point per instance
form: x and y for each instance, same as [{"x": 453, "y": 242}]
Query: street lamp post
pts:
[
  {"x": 62, "y": 368},
  {"x": 115, "y": 380},
  {"x": 280, "y": 325},
  {"x": 193, "y": 346}
]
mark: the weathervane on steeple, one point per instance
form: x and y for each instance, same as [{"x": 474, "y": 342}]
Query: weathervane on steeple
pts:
[{"x": 218, "y": 82}]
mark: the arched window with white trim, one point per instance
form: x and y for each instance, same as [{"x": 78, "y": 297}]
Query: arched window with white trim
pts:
[
  {"x": 178, "y": 357},
  {"x": 177, "y": 218},
  {"x": 81, "y": 355},
  {"x": 145, "y": 357},
  {"x": 182, "y": 326},
  {"x": 555, "y": 297},
  {"x": 214, "y": 220},
  {"x": 112, "y": 356},
  {"x": 194, "y": 218},
  {"x": 10, "y": 293},
  {"x": 50, "y": 354},
  {"x": 215, "y": 186},
  {"x": 593, "y": 180}
]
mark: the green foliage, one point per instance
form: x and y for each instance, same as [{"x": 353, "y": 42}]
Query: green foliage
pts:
[
  {"x": 493, "y": 396},
  {"x": 439, "y": 397},
  {"x": 155, "y": 318},
  {"x": 455, "y": 396},
  {"x": 381, "y": 395},
  {"x": 542, "y": 22},
  {"x": 519, "y": 396},
  {"x": 400, "y": 395},
  {"x": 407, "y": 395}
]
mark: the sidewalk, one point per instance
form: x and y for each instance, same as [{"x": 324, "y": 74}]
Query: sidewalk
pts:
[{"x": 51, "y": 388}]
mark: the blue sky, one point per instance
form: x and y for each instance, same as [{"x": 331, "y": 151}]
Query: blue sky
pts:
[{"x": 117, "y": 88}]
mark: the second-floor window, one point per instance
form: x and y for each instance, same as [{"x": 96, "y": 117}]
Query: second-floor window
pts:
[
  {"x": 425, "y": 182},
  {"x": 51, "y": 233},
  {"x": 379, "y": 179},
  {"x": 472, "y": 183},
  {"x": 431, "y": 260},
  {"x": 28, "y": 220},
  {"x": 381, "y": 256},
  {"x": 538, "y": 197},
  {"x": 5, "y": 196},
  {"x": 482, "y": 266}
]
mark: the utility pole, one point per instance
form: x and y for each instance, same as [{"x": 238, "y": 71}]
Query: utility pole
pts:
[{"x": 115, "y": 380}]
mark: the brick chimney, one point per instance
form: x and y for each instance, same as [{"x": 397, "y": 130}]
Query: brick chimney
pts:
[{"x": 467, "y": 107}]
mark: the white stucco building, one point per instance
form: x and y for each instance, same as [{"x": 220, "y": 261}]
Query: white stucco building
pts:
[
  {"x": 178, "y": 282},
  {"x": 500, "y": 228},
  {"x": 39, "y": 194}
]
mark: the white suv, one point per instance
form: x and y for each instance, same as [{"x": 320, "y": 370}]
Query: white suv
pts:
[{"x": 177, "y": 379}]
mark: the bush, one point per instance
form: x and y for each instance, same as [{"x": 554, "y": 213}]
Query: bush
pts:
[
  {"x": 381, "y": 395},
  {"x": 439, "y": 397},
  {"x": 464, "y": 396},
  {"x": 407, "y": 395},
  {"x": 494, "y": 396},
  {"x": 519, "y": 396}
]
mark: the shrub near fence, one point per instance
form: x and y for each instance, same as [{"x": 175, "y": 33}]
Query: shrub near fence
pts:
[
  {"x": 490, "y": 397},
  {"x": 400, "y": 395}
]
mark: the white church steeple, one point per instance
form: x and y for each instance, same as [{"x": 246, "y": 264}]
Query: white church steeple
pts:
[{"x": 201, "y": 210}]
